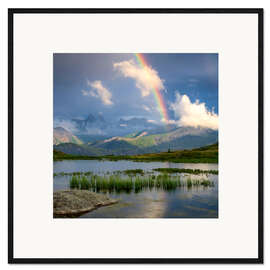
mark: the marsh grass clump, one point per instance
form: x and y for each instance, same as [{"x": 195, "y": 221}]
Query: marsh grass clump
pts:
[
  {"x": 79, "y": 182},
  {"x": 189, "y": 183},
  {"x": 151, "y": 183},
  {"x": 134, "y": 172},
  {"x": 73, "y": 173},
  {"x": 189, "y": 171},
  {"x": 207, "y": 183},
  {"x": 84, "y": 183},
  {"x": 121, "y": 185},
  {"x": 76, "y": 173},
  {"x": 74, "y": 182},
  {"x": 117, "y": 183},
  {"x": 142, "y": 183}
]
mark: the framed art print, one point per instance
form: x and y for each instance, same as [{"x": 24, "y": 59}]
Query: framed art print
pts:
[{"x": 135, "y": 135}]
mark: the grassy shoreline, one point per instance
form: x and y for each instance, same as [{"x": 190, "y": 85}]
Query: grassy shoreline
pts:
[
  {"x": 141, "y": 172},
  {"x": 206, "y": 154}
]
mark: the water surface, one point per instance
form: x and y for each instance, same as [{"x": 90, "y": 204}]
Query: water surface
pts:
[{"x": 196, "y": 202}]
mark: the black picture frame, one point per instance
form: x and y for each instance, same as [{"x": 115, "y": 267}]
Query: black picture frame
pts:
[{"x": 13, "y": 260}]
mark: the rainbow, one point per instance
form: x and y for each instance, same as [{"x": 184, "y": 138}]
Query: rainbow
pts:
[{"x": 158, "y": 96}]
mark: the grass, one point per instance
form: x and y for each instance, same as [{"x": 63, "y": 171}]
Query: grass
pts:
[
  {"x": 206, "y": 154},
  {"x": 79, "y": 182},
  {"x": 84, "y": 183},
  {"x": 74, "y": 182},
  {"x": 190, "y": 171},
  {"x": 72, "y": 173},
  {"x": 117, "y": 183},
  {"x": 135, "y": 172}
]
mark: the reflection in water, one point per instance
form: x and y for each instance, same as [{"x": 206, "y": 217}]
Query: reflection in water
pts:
[
  {"x": 197, "y": 202},
  {"x": 153, "y": 206},
  {"x": 141, "y": 205}
]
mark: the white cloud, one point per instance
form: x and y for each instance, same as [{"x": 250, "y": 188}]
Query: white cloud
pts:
[
  {"x": 99, "y": 91},
  {"x": 193, "y": 114},
  {"x": 169, "y": 121},
  {"x": 146, "y": 108},
  {"x": 146, "y": 78},
  {"x": 151, "y": 121},
  {"x": 85, "y": 93}
]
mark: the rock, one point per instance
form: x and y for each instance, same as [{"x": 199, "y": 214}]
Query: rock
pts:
[{"x": 73, "y": 203}]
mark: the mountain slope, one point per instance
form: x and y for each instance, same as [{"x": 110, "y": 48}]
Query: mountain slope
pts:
[
  {"x": 61, "y": 135},
  {"x": 142, "y": 143},
  {"x": 179, "y": 138},
  {"x": 82, "y": 150}
]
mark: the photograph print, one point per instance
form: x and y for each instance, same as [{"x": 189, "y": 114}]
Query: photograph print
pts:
[{"x": 135, "y": 135}]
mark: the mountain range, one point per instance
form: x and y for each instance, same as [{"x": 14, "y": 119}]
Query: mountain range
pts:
[
  {"x": 95, "y": 136},
  {"x": 96, "y": 125}
]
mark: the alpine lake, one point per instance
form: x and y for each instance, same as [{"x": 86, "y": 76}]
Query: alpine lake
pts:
[{"x": 144, "y": 189}]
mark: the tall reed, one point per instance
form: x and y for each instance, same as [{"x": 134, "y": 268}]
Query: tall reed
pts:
[{"x": 117, "y": 183}]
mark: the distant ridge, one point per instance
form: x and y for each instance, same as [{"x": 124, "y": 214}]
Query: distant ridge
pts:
[
  {"x": 143, "y": 143},
  {"x": 94, "y": 135},
  {"x": 61, "y": 135}
]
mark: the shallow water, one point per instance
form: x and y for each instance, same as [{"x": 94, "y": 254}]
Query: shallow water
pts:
[
  {"x": 196, "y": 202},
  {"x": 97, "y": 166}
]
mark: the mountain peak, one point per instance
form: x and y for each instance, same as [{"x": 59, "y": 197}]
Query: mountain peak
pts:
[
  {"x": 90, "y": 118},
  {"x": 61, "y": 129}
]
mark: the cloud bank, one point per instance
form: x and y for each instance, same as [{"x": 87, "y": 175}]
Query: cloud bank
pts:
[
  {"x": 146, "y": 78},
  {"x": 65, "y": 123},
  {"x": 99, "y": 91},
  {"x": 193, "y": 114}
]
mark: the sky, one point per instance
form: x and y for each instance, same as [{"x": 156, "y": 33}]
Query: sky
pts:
[{"x": 164, "y": 88}]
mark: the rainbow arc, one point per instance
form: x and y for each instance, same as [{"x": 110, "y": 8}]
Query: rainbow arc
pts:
[{"x": 158, "y": 96}]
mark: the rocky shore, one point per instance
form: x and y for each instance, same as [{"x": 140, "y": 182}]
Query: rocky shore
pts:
[{"x": 73, "y": 203}]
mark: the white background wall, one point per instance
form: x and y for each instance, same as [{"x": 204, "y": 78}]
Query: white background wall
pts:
[{"x": 123, "y": 4}]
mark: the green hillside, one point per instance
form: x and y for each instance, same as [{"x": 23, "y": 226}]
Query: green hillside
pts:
[
  {"x": 177, "y": 139},
  {"x": 206, "y": 154}
]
